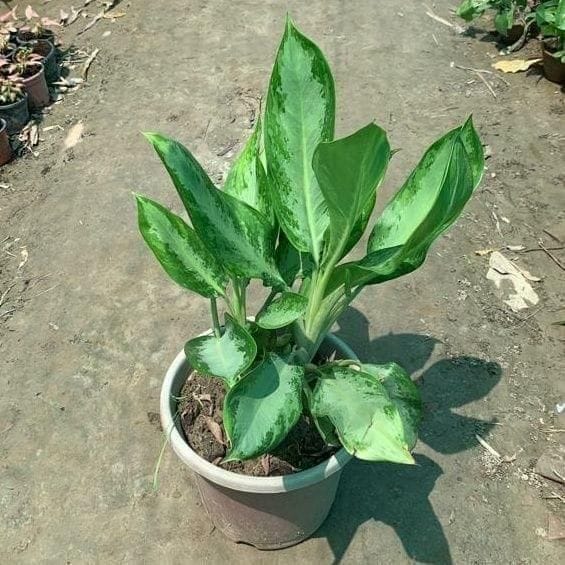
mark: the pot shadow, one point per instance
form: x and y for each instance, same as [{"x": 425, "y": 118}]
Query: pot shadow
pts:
[{"x": 397, "y": 495}]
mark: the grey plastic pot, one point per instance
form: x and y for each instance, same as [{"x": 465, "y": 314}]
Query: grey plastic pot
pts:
[{"x": 266, "y": 512}]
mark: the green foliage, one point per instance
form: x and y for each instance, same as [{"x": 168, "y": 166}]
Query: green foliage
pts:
[
  {"x": 550, "y": 17},
  {"x": 288, "y": 217},
  {"x": 507, "y": 12}
]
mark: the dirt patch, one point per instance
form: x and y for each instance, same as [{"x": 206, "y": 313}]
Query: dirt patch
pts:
[{"x": 200, "y": 409}]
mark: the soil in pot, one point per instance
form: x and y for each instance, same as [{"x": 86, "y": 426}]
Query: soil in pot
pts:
[
  {"x": 47, "y": 51},
  {"x": 200, "y": 409},
  {"x": 5, "y": 148},
  {"x": 36, "y": 86},
  {"x": 553, "y": 67},
  {"x": 25, "y": 36},
  {"x": 15, "y": 114}
]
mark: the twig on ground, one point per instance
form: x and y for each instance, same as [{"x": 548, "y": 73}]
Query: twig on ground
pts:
[
  {"x": 520, "y": 43},
  {"x": 458, "y": 29},
  {"x": 42, "y": 292},
  {"x": 551, "y": 255},
  {"x": 488, "y": 447},
  {"x": 486, "y": 83},
  {"x": 7, "y": 312},
  {"x": 5, "y": 293},
  {"x": 88, "y": 62},
  {"x": 552, "y": 236}
]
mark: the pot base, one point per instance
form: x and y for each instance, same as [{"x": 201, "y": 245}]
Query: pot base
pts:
[{"x": 268, "y": 522}]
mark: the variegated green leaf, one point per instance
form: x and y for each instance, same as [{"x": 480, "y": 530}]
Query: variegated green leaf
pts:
[
  {"x": 262, "y": 408},
  {"x": 348, "y": 172},
  {"x": 227, "y": 357},
  {"x": 247, "y": 180},
  {"x": 290, "y": 262},
  {"x": 404, "y": 394},
  {"x": 240, "y": 236},
  {"x": 300, "y": 113},
  {"x": 429, "y": 202},
  {"x": 179, "y": 250},
  {"x": 367, "y": 421},
  {"x": 282, "y": 311}
]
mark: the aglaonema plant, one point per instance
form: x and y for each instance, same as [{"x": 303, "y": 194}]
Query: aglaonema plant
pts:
[{"x": 295, "y": 202}]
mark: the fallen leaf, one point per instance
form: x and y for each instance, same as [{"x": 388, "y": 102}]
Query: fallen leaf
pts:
[
  {"x": 88, "y": 62},
  {"x": 518, "y": 293},
  {"x": 514, "y": 65},
  {"x": 31, "y": 13},
  {"x": 215, "y": 429},
  {"x": 25, "y": 256},
  {"x": 481, "y": 252},
  {"x": 113, "y": 15},
  {"x": 74, "y": 135},
  {"x": 515, "y": 247}
]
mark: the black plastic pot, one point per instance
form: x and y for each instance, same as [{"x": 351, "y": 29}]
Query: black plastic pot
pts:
[
  {"x": 5, "y": 148},
  {"x": 46, "y": 49},
  {"x": 553, "y": 67},
  {"x": 15, "y": 114},
  {"x": 24, "y": 36},
  {"x": 513, "y": 34}
]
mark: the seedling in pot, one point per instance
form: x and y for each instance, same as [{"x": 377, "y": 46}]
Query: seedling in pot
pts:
[
  {"x": 36, "y": 27},
  {"x": 11, "y": 90},
  {"x": 25, "y": 63},
  {"x": 288, "y": 215}
]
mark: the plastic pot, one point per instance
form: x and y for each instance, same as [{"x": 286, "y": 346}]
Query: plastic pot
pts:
[
  {"x": 15, "y": 114},
  {"x": 513, "y": 34},
  {"x": 266, "y": 512},
  {"x": 5, "y": 148},
  {"x": 36, "y": 88},
  {"x": 46, "y": 49},
  {"x": 25, "y": 36},
  {"x": 553, "y": 67}
]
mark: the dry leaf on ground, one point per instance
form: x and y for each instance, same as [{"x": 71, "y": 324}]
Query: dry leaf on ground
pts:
[
  {"x": 74, "y": 135},
  {"x": 513, "y": 281},
  {"x": 514, "y": 65}
]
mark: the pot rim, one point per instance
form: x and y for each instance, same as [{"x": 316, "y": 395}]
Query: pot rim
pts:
[
  {"x": 36, "y": 75},
  {"x": 19, "y": 101},
  {"x": 3, "y": 125},
  {"x": 236, "y": 481}
]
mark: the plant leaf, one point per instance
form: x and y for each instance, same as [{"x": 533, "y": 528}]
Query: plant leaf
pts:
[
  {"x": 290, "y": 262},
  {"x": 179, "y": 250},
  {"x": 504, "y": 20},
  {"x": 471, "y": 9},
  {"x": 348, "y": 172},
  {"x": 404, "y": 394},
  {"x": 226, "y": 357},
  {"x": 300, "y": 113},
  {"x": 247, "y": 179},
  {"x": 429, "y": 202},
  {"x": 262, "y": 408},
  {"x": 367, "y": 421},
  {"x": 282, "y": 311},
  {"x": 239, "y": 235}
]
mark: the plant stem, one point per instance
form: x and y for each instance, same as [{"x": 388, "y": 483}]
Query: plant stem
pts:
[{"x": 215, "y": 318}]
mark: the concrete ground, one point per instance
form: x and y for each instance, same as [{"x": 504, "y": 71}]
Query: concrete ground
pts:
[{"x": 96, "y": 323}]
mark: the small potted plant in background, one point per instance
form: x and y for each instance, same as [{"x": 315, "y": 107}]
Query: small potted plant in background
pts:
[
  {"x": 13, "y": 103},
  {"x": 276, "y": 394},
  {"x": 29, "y": 67},
  {"x": 5, "y": 148},
  {"x": 36, "y": 27},
  {"x": 550, "y": 17},
  {"x": 7, "y": 46},
  {"x": 509, "y": 18}
]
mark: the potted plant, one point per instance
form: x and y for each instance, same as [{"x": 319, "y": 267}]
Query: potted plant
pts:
[
  {"x": 509, "y": 18},
  {"x": 268, "y": 391},
  {"x": 5, "y": 148},
  {"x": 28, "y": 66},
  {"x": 13, "y": 104},
  {"x": 7, "y": 46},
  {"x": 550, "y": 17},
  {"x": 36, "y": 27},
  {"x": 46, "y": 50}
]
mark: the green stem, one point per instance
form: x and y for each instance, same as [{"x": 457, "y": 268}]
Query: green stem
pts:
[{"x": 215, "y": 317}]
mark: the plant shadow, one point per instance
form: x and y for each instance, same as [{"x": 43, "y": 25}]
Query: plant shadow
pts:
[{"x": 398, "y": 495}]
